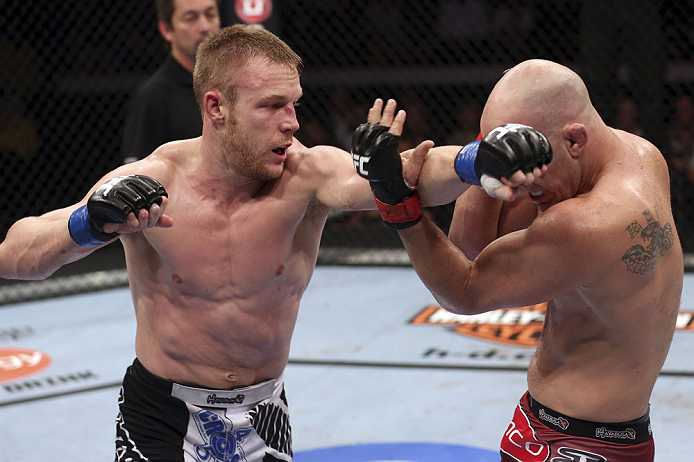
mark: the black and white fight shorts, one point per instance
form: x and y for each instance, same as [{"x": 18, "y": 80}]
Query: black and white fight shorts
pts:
[{"x": 161, "y": 421}]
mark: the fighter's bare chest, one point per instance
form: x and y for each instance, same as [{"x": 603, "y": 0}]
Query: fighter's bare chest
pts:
[{"x": 238, "y": 245}]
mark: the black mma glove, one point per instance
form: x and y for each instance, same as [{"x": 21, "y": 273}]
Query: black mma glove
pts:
[
  {"x": 502, "y": 152},
  {"x": 376, "y": 158},
  {"x": 111, "y": 203}
]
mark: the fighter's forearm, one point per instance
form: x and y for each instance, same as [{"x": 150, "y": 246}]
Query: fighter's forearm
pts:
[
  {"x": 438, "y": 182},
  {"x": 442, "y": 267},
  {"x": 35, "y": 247},
  {"x": 475, "y": 221}
]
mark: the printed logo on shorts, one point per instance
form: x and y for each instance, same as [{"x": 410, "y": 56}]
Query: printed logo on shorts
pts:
[
  {"x": 520, "y": 441},
  {"x": 214, "y": 399},
  {"x": 577, "y": 455},
  {"x": 560, "y": 422},
  {"x": 220, "y": 444},
  {"x": 628, "y": 434}
]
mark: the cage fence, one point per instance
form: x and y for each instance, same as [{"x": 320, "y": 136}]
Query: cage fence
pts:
[{"x": 68, "y": 69}]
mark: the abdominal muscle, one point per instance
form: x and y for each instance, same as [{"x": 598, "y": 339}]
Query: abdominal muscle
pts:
[
  {"x": 213, "y": 344},
  {"x": 589, "y": 389},
  {"x": 592, "y": 371}
]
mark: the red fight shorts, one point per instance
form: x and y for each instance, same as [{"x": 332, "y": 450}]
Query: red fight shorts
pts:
[{"x": 539, "y": 434}]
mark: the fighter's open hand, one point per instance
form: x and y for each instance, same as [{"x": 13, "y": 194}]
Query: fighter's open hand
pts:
[
  {"x": 412, "y": 160},
  {"x": 376, "y": 158}
]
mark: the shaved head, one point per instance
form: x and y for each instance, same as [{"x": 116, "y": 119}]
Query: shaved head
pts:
[{"x": 539, "y": 93}]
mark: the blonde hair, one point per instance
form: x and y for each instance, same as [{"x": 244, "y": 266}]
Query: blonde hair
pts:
[{"x": 229, "y": 49}]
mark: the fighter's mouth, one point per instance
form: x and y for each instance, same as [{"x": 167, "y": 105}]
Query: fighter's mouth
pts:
[
  {"x": 282, "y": 150},
  {"x": 537, "y": 193}
]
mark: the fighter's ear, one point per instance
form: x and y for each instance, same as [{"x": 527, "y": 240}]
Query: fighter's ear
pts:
[
  {"x": 576, "y": 137},
  {"x": 212, "y": 106}
]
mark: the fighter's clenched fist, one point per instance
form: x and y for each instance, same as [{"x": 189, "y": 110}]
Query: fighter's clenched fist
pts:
[
  {"x": 112, "y": 202},
  {"x": 502, "y": 152}
]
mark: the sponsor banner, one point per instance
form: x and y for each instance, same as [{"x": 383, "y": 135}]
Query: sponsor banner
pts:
[
  {"x": 521, "y": 327},
  {"x": 510, "y": 326},
  {"x": 685, "y": 321},
  {"x": 65, "y": 345},
  {"x": 47, "y": 385},
  {"x": 15, "y": 333},
  {"x": 28, "y": 374},
  {"x": 18, "y": 363}
]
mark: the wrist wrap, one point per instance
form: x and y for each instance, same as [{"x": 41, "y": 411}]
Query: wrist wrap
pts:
[
  {"x": 80, "y": 230},
  {"x": 401, "y": 215},
  {"x": 465, "y": 163}
]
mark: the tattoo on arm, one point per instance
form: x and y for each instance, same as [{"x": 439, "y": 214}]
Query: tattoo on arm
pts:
[{"x": 658, "y": 240}]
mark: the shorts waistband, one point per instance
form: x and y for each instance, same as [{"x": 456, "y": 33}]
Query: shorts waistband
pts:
[
  {"x": 205, "y": 397},
  {"x": 633, "y": 432}
]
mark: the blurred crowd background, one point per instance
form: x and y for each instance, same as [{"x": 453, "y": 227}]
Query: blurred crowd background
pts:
[{"x": 67, "y": 69}]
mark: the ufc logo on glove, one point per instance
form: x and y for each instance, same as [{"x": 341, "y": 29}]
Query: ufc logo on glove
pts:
[{"x": 359, "y": 162}]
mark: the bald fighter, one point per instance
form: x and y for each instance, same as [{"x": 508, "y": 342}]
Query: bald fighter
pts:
[{"x": 595, "y": 236}]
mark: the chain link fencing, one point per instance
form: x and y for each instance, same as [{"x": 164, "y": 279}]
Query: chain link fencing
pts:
[{"x": 69, "y": 67}]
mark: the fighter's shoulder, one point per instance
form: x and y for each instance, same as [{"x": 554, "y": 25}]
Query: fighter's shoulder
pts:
[
  {"x": 646, "y": 159},
  {"x": 313, "y": 160},
  {"x": 161, "y": 165},
  {"x": 592, "y": 221}
]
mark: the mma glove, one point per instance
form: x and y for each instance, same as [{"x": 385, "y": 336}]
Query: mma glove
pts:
[
  {"x": 111, "y": 203},
  {"x": 501, "y": 153},
  {"x": 376, "y": 158}
]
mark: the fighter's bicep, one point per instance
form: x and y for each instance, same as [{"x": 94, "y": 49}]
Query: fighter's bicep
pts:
[
  {"x": 533, "y": 265},
  {"x": 478, "y": 219},
  {"x": 337, "y": 184},
  {"x": 475, "y": 221}
]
